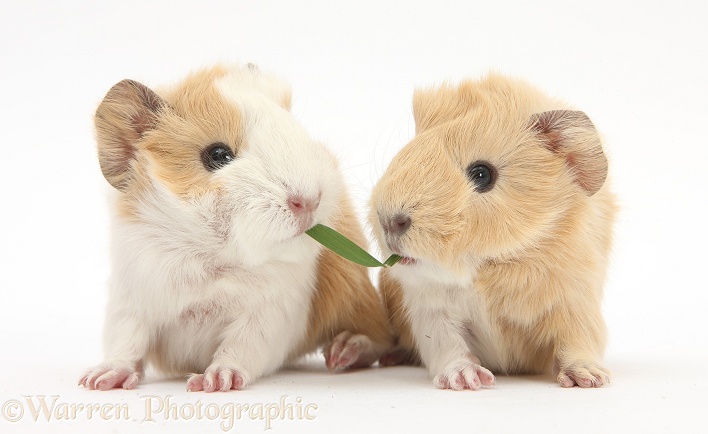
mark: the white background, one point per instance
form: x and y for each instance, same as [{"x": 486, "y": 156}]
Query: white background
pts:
[{"x": 639, "y": 70}]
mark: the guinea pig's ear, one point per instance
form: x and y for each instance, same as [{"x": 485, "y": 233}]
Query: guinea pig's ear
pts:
[
  {"x": 572, "y": 135},
  {"x": 127, "y": 112}
]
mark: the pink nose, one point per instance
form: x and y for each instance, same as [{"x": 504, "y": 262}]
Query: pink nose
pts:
[
  {"x": 300, "y": 205},
  {"x": 396, "y": 225}
]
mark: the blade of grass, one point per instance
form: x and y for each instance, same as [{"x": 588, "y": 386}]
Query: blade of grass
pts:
[
  {"x": 392, "y": 260},
  {"x": 346, "y": 248}
]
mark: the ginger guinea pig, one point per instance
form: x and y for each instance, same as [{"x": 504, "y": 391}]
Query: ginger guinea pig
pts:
[
  {"x": 501, "y": 209},
  {"x": 212, "y": 273}
]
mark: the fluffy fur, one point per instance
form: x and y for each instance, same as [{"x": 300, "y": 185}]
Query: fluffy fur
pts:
[
  {"x": 212, "y": 274},
  {"x": 509, "y": 280}
]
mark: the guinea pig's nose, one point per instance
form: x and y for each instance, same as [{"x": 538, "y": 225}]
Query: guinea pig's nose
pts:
[
  {"x": 299, "y": 204},
  {"x": 396, "y": 225}
]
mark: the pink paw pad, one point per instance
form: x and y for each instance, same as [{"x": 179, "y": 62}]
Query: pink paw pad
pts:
[
  {"x": 106, "y": 377},
  {"x": 462, "y": 376},
  {"x": 585, "y": 376},
  {"x": 215, "y": 380}
]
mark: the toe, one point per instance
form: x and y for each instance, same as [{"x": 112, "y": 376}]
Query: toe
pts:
[
  {"x": 471, "y": 379},
  {"x": 195, "y": 383}
]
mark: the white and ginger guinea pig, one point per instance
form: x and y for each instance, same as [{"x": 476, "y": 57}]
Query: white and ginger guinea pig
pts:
[
  {"x": 212, "y": 274},
  {"x": 501, "y": 209}
]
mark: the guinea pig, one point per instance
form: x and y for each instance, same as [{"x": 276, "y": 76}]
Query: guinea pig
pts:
[
  {"x": 501, "y": 210},
  {"x": 212, "y": 274}
]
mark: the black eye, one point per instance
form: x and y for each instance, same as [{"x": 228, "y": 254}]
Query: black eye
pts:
[
  {"x": 482, "y": 175},
  {"x": 216, "y": 156}
]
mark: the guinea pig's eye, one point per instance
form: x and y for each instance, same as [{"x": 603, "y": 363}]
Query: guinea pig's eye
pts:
[
  {"x": 482, "y": 175},
  {"x": 216, "y": 156}
]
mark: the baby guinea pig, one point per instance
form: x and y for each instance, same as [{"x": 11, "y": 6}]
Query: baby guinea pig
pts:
[
  {"x": 501, "y": 209},
  {"x": 212, "y": 273}
]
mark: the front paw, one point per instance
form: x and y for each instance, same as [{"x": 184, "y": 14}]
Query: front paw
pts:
[
  {"x": 464, "y": 374},
  {"x": 584, "y": 374},
  {"x": 217, "y": 378},
  {"x": 348, "y": 350},
  {"x": 109, "y": 375}
]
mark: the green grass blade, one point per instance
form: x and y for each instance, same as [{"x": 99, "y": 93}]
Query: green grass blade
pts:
[
  {"x": 392, "y": 260},
  {"x": 342, "y": 246}
]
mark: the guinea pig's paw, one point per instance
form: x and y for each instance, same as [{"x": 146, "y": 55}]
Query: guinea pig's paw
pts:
[
  {"x": 216, "y": 379},
  {"x": 399, "y": 356},
  {"x": 348, "y": 350},
  {"x": 585, "y": 375},
  {"x": 464, "y": 374},
  {"x": 110, "y": 375}
]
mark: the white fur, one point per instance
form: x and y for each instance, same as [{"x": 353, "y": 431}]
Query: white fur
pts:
[
  {"x": 442, "y": 313},
  {"x": 435, "y": 273},
  {"x": 280, "y": 159}
]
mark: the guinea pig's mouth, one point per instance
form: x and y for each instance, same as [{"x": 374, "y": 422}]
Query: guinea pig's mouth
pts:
[{"x": 405, "y": 260}]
